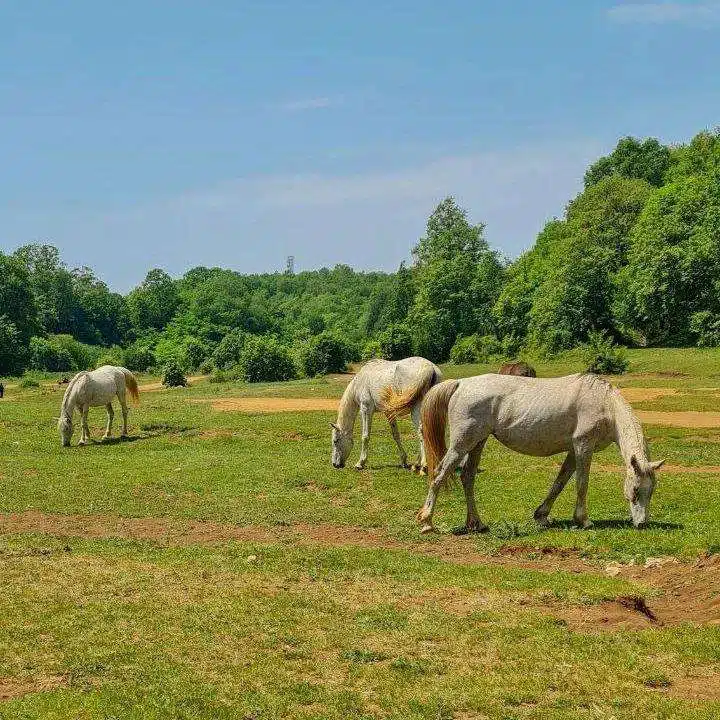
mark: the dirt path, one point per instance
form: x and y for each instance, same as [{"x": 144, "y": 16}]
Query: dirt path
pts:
[
  {"x": 274, "y": 404},
  {"x": 689, "y": 592}
]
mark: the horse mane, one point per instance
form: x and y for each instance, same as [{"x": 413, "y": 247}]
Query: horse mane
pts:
[{"x": 68, "y": 390}]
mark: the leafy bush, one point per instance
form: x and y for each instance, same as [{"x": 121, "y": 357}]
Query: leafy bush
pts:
[
  {"x": 264, "y": 359},
  {"x": 323, "y": 354},
  {"x": 227, "y": 353},
  {"x": 705, "y": 326},
  {"x": 49, "y": 356},
  {"x": 221, "y": 376},
  {"x": 84, "y": 357},
  {"x": 139, "y": 357},
  {"x": 603, "y": 356},
  {"x": 28, "y": 382},
  {"x": 395, "y": 342},
  {"x": 475, "y": 349},
  {"x": 173, "y": 375},
  {"x": 112, "y": 356},
  {"x": 371, "y": 351}
]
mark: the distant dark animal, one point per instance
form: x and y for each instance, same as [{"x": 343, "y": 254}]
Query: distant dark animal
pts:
[
  {"x": 2, "y": 390},
  {"x": 518, "y": 368},
  {"x": 63, "y": 381}
]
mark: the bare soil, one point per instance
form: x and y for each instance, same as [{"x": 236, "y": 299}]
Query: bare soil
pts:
[
  {"x": 686, "y": 592},
  {"x": 639, "y": 394},
  {"x": 150, "y": 387},
  {"x": 12, "y": 688},
  {"x": 685, "y": 418}
]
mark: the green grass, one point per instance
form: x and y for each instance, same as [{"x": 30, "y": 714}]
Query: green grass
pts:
[{"x": 150, "y": 630}]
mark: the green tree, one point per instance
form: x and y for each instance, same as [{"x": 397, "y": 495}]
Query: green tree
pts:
[
  {"x": 153, "y": 303},
  {"x": 458, "y": 279},
  {"x": 19, "y": 315},
  {"x": 648, "y": 160}
]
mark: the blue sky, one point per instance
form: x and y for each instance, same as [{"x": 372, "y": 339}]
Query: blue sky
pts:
[{"x": 176, "y": 133}]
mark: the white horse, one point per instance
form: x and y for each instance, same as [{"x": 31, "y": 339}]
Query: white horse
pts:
[
  {"x": 408, "y": 379},
  {"x": 577, "y": 414},
  {"x": 92, "y": 389}
]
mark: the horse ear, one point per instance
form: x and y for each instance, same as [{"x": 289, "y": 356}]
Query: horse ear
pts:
[
  {"x": 657, "y": 464},
  {"x": 636, "y": 465}
]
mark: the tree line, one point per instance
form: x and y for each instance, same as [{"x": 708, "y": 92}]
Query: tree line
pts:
[{"x": 635, "y": 258}]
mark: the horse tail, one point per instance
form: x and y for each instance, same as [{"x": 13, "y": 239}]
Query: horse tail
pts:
[
  {"x": 396, "y": 404},
  {"x": 434, "y": 422},
  {"x": 131, "y": 386}
]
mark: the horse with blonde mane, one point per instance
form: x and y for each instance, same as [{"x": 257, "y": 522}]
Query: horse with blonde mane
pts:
[
  {"x": 407, "y": 380},
  {"x": 576, "y": 414},
  {"x": 93, "y": 389}
]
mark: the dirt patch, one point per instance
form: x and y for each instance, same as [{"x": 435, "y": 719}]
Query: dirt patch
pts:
[
  {"x": 703, "y": 688},
  {"x": 689, "y": 593},
  {"x": 12, "y": 688},
  {"x": 685, "y": 418},
  {"x": 685, "y": 592},
  {"x": 639, "y": 394},
  {"x": 659, "y": 374},
  {"x": 274, "y": 404},
  {"x": 150, "y": 387}
]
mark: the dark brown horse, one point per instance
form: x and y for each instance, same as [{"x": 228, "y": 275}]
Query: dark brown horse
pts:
[{"x": 518, "y": 368}]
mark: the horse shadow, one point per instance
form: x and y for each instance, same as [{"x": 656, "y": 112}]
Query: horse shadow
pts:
[
  {"x": 120, "y": 440},
  {"x": 614, "y": 525}
]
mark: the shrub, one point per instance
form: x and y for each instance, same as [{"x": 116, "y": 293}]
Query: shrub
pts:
[
  {"x": 227, "y": 353},
  {"x": 139, "y": 357},
  {"x": 475, "y": 349},
  {"x": 705, "y": 326},
  {"x": 173, "y": 375},
  {"x": 603, "y": 356},
  {"x": 371, "y": 351},
  {"x": 323, "y": 354},
  {"x": 47, "y": 355},
  {"x": 221, "y": 376},
  {"x": 112, "y": 356},
  {"x": 395, "y": 342},
  {"x": 264, "y": 359},
  {"x": 28, "y": 382}
]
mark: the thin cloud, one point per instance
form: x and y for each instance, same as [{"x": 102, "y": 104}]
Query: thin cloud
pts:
[
  {"x": 666, "y": 13},
  {"x": 316, "y": 103}
]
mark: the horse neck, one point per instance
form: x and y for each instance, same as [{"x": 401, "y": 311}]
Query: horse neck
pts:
[
  {"x": 628, "y": 431},
  {"x": 68, "y": 403},
  {"x": 349, "y": 407}
]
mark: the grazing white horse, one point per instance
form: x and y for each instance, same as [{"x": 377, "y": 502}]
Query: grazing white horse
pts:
[
  {"x": 92, "y": 389},
  {"x": 409, "y": 380},
  {"x": 577, "y": 414}
]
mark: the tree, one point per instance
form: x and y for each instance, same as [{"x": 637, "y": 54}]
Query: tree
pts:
[
  {"x": 19, "y": 315},
  {"x": 264, "y": 359},
  {"x": 458, "y": 280},
  {"x": 648, "y": 160},
  {"x": 674, "y": 262},
  {"x": 153, "y": 303}
]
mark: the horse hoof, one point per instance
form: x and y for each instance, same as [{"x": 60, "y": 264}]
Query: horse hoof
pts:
[
  {"x": 543, "y": 522},
  {"x": 359, "y": 467},
  {"x": 427, "y": 528}
]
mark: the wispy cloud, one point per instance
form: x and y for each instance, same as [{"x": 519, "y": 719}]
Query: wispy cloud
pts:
[
  {"x": 315, "y": 103},
  {"x": 704, "y": 14},
  {"x": 366, "y": 219}
]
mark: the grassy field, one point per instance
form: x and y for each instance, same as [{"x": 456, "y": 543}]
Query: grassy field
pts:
[{"x": 214, "y": 565}]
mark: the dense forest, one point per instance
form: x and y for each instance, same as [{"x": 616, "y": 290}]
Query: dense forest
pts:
[{"x": 635, "y": 257}]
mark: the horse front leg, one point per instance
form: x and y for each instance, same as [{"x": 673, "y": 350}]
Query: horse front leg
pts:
[
  {"x": 542, "y": 512},
  {"x": 473, "y": 523},
  {"x": 110, "y": 416},
  {"x": 84, "y": 429},
  {"x": 583, "y": 458},
  {"x": 398, "y": 441},
  {"x": 445, "y": 470},
  {"x": 366, "y": 414}
]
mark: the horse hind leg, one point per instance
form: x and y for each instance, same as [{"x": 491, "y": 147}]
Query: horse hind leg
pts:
[
  {"x": 473, "y": 523},
  {"x": 444, "y": 473},
  {"x": 398, "y": 441},
  {"x": 567, "y": 469},
  {"x": 110, "y": 416}
]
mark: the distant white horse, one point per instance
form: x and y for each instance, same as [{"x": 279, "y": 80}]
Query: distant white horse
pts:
[
  {"x": 577, "y": 414},
  {"x": 92, "y": 389},
  {"x": 409, "y": 379}
]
